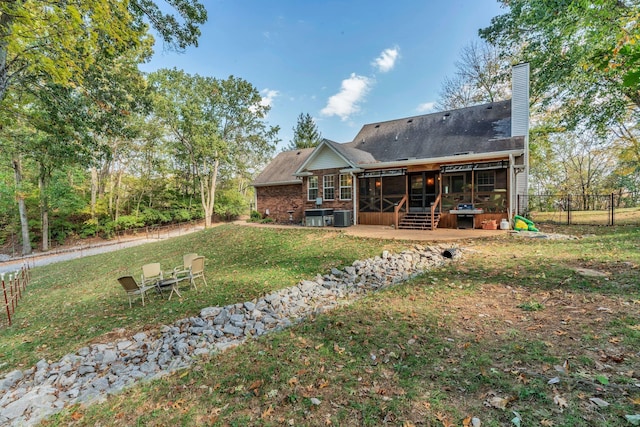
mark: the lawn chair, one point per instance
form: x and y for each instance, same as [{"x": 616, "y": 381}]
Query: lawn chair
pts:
[
  {"x": 183, "y": 272},
  {"x": 151, "y": 274},
  {"x": 132, "y": 288},
  {"x": 197, "y": 271}
]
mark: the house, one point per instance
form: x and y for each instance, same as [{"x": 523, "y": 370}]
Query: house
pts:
[{"x": 451, "y": 169}]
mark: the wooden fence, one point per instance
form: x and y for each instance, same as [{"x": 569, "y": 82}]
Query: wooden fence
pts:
[{"x": 13, "y": 286}]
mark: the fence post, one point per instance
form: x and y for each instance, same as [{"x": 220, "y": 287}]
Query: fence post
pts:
[
  {"x": 612, "y": 208},
  {"x": 6, "y": 300}
]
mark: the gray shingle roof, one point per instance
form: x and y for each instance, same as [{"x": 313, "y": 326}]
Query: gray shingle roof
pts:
[
  {"x": 280, "y": 170},
  {"x": 477, "y": 129}
]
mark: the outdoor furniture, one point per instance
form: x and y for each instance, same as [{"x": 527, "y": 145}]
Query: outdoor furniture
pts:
[
  {"x": 132, "y": 288},
  {"x": 197, "y": 271},
  {"x": 183, "y": 272},
  {"x": 151, "y": 273},
  {"x": 169, "y": 283}
]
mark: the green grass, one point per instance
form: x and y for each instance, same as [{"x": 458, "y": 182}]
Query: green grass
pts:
[
  {"x": 67, "y": 305},
  {"x": 433, "y": 351}
]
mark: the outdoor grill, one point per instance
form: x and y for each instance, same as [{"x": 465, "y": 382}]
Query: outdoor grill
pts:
[{"x": 466, "y": 214}]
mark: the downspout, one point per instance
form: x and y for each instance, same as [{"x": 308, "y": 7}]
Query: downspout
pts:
[
  {"x": 354, "y": 198},
  {"x": 512, "y": 186}
]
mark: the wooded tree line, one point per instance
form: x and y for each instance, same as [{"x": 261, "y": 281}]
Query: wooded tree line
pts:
[
  {"x": 89, "y": 144},
  {"x": 585, "y": 89}
]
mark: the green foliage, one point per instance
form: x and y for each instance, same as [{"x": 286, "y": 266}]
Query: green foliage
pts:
[
  {"x": 255, "y": 216},
  {"x": 230, "y": 204},
  {"x": 582, "y": 54},
  {"x": 305, "y": 133},
  {"x": 126, "y": 222}
]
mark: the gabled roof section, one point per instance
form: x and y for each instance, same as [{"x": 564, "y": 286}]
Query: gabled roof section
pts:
[
  {"x": 280, "y": 171},
  {"x": 330, "y": 154},
  {"x": 479, "y": 129}
]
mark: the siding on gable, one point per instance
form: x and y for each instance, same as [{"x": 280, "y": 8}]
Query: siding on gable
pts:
[{"x": 326, "y": 159}]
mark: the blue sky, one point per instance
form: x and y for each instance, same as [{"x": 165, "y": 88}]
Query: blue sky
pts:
[{"x": 346, "y": 63}]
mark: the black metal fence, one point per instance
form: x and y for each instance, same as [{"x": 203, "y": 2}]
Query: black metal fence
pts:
[{"x": 621, "y": 208}]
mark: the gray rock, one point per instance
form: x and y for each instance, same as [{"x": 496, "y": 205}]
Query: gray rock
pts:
[
  {"x": 209, "y": 312},
  {"x": 221, "y": 318}
]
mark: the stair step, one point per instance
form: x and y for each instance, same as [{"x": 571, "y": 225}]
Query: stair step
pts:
[{"x": 419, "y": 221}]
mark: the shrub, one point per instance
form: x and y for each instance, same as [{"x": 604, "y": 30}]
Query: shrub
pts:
[{"x": 255, "y": 216}]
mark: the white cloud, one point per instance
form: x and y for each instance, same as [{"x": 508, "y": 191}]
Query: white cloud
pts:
[
  {"x": 345, "y": 102},
  {"x": 426, "y": 107},
  {"x": 268, "y": 95},
  {"x": 387, "y": 60}
]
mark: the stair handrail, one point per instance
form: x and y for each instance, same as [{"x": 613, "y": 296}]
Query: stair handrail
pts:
[
  {"x": 435, "y": 205},
  {"x": 397, "y": 208}
]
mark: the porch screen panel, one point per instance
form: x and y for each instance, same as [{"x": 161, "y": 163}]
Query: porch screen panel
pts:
[
  {"x": 393, "y": 189},
  {"x": 380, "y": 194},
  {"x": 369, "y": 192}
]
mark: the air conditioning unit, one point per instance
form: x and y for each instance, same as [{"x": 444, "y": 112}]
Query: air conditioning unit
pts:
[{"x": 341, "y": 218}]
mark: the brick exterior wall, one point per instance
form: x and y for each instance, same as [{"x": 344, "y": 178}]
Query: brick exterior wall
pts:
[{"x": 280, "y": 199}]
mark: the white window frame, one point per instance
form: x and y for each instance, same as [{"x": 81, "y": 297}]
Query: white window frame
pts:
[
  {"x": 312, "y": 180},
  {"x": 329, "y": 183},
  {"x": 348, "y": 187}
]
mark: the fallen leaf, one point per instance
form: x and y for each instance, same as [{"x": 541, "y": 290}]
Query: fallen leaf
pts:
[
  {"x": 323, "y": 383},
  {"x": 517, "y": 420},
  {"x": 546, "y": 423},
  {"x": 560, "y": 401},
  {"x": 293, "y": 381},
  {"x": 338, "y": 349},
  {"x": 466, "y": 422},
  {"x": 635, "y": 401},
  {"x": 498, "y": 402},
  {"x": 601, "y": 403},
  {"x": 256, "y": 385},
  {"x": 267, "y": 412},
  {"x": 633, "y": 419},
  {"x": 554, "y": 380},
  {"x": 76, "y": 416},
  {"x": 615, "y": 340}
]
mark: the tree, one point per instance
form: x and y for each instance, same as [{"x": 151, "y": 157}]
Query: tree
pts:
[
  {"x": 480, "y": 77},
  {"x": 213, "y": 124},
  {"x": 305, "y": 133},
  {"x": 59, "y": 39},
  {"x": 583, "y": 55}
]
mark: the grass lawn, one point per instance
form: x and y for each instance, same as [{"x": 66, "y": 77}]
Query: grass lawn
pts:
[{"x": 511, "y": 334}]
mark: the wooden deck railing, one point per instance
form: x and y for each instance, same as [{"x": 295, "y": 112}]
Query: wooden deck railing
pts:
[
  {"x": 397, "y": 208},
  {"x": 434, "y": 206}
]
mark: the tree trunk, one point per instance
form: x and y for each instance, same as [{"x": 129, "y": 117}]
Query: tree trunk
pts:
[
  {"x": 116, "y": 190},
  {"x": 94, "y": 191},
  {"x": 5, "y": 23},
  {"x": 44, "y": 207},
  {"x": 208, "y": 193},
  {"x": 22, "y": 209}
]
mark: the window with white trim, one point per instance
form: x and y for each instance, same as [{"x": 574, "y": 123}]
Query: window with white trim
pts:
[
  {"x": 346, "y": 186},
  {"x": 328, "y": 187},
  {"x": 312, "y": 188}
]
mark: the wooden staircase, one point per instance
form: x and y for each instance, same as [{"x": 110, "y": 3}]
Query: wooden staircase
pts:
[{"x": 419, "y": 221}]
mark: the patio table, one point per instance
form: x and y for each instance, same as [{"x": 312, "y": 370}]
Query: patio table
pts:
[{"x": 169, "y": 283}]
